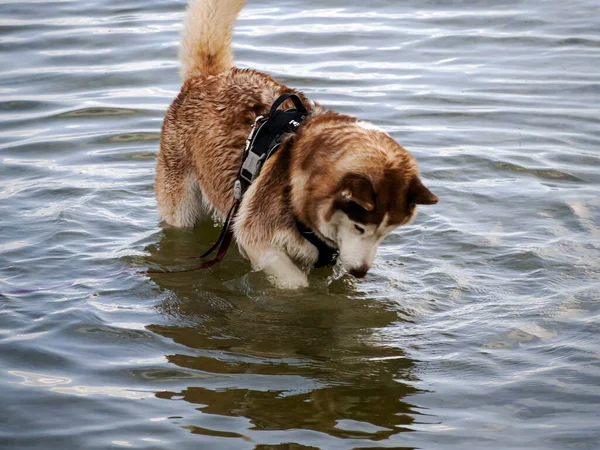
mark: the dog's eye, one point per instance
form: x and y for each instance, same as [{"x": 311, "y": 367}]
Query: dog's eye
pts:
[{"x": 361, "y": 230}]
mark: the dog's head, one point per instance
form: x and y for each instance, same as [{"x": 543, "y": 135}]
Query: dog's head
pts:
[
  {"x": 365, "y": 186},
  {"x": 366, "y": 208}
]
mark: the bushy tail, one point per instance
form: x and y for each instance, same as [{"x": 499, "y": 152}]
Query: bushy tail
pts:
[{"x": 206, "y": 43}]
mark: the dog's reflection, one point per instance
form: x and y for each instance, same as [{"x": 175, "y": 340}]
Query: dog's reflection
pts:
[{"x": 285, "y": 360}]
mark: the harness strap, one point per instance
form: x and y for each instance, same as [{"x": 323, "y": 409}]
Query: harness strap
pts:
[
  {"x": 327, "y": 255},
  {"x": 282, "y": 98}
]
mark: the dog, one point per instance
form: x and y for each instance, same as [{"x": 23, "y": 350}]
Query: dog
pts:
[{"x": 343, "y": 178}]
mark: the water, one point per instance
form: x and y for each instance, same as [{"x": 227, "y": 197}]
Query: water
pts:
[{"x": 477, "y": 327}]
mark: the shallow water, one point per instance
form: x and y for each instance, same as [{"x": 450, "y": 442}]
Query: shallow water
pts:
[{"x": 476, "y": 328}]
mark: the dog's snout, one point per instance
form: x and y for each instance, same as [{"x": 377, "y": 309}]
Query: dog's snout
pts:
[{"x": 359, "y": 272}]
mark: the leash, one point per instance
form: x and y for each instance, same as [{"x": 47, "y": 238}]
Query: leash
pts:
[{"x": 223, "y": 243}]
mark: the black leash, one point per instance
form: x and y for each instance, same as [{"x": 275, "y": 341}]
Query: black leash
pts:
[{"x": 223, "y": 242}]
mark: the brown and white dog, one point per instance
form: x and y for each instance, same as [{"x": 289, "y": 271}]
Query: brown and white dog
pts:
[{"x": 344, "y": 178}]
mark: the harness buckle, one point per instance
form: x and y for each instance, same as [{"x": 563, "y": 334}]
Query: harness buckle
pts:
[
  {"x": 237, "y": 190},
  {"x": 252, "y": 165},
  {"x": 253, "y": 131}
]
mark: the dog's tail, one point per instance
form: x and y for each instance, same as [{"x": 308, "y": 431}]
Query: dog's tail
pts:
[{"x": 206, "y": 43}]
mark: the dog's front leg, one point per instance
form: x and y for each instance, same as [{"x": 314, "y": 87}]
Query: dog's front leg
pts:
[{"x": 279, "y": 267}]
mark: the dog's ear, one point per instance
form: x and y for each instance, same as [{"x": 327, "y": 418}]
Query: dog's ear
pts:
[
  {"x": 358, "y": 189},
  {"x": 419, "y": 194}
]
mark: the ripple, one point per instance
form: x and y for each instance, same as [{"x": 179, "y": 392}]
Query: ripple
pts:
[
  {"x": 92, "y": 112},
  {"x": 106, "y": 331},
  {"x": 541, "y": 173},
  {"x": 108, "y": 391},
  {"x": 39, "y": 380},
  {"x": 216, "y": 433}
]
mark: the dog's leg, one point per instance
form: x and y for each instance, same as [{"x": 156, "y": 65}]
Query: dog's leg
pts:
[
  {"x": 279, "y": 267},
  {"x": 179, "y": 197}
]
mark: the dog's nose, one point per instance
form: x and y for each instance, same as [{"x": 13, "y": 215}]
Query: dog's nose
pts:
[{"x": 359, "y": 272}]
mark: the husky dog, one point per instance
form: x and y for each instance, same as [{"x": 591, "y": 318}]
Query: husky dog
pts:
[{"x": 345, "y": 179}]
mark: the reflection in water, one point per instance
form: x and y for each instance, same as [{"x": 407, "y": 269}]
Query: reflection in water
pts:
[{"x": 283, "y": 360}]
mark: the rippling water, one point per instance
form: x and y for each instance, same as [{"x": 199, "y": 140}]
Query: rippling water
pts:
[{"x": 477, "y": 328}]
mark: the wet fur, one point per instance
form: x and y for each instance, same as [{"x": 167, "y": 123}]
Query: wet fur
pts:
[{"x": 335, "y": 173}]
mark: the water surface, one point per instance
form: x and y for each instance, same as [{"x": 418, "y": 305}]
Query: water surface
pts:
[{"x": 476, "y": 328}]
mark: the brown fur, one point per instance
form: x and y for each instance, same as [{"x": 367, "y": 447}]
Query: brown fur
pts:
[{"x": 333, "y": 163}]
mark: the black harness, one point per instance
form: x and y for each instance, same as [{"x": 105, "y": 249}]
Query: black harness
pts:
[{"x": 264, "y": 139}]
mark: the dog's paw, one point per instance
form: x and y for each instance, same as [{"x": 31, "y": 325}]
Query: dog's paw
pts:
[{"x": 295, "y": 281}]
